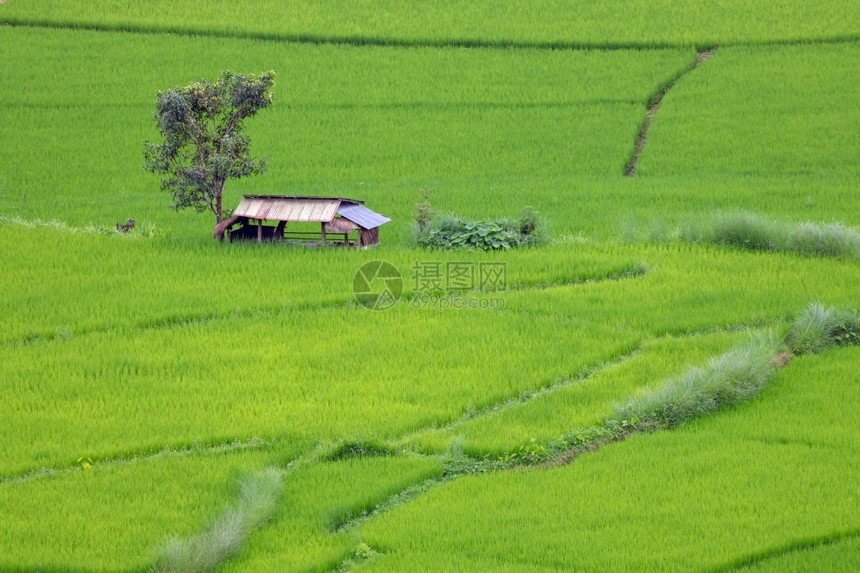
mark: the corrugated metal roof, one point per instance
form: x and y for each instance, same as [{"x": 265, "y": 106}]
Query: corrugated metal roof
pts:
[
  {"x": 361, "y": 215},
  {"x": 276, "y": 208}
]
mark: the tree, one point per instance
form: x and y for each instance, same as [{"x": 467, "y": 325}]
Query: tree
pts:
[{"x": 204, "y": 140}]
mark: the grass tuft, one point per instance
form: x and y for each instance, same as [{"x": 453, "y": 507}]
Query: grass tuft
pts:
[
  {"x": 741, "y": 372},
  {"x": 258, "y": 501},
  {"x": 743, "y": 230},
  {"x": 819, "y": 327},
  {"x": 833, "y": 240},
  {"x": 727, "y": 379},
  {"x": 749, "y": 231}
]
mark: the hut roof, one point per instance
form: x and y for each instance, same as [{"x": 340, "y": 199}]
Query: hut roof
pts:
[
  {"x": 312, "y": 209},
  {"x": 307, "y": 209}
]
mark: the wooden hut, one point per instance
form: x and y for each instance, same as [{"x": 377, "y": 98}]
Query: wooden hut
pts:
[{"x": 338, "y": 217}]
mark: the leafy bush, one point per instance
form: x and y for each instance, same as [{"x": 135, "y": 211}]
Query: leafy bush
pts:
[
  {"x": 360, "y": 449},
  {"x": 150, "y": 231},
  {"x": 530, "y": 453},
  {"x": 452, "y": 232}
]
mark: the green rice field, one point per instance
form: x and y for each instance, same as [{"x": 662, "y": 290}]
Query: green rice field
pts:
[{"x": 173, "y": 403}]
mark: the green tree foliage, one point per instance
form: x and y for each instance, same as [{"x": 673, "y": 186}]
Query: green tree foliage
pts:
[{"x": 202, "y": 126}]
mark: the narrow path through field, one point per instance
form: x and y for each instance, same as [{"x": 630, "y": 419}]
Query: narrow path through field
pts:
[{"x": 654, "y": 106}]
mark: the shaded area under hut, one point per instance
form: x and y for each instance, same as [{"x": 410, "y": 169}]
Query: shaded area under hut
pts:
[{"x": 343, "y": 221}]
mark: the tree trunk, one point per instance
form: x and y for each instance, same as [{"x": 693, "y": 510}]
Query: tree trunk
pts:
[
  {"x": 218, "y": 220},
  {"x": 218, "y": 211}
]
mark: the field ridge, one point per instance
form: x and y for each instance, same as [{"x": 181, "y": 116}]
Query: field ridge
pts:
[
  {"x": 378, "y": 41},
  {"x": 529, "y": 396},
  {"x": 654, "y": 106},
  {"x": 790, "y": 547},
  {"x": 193, "y": 449}
]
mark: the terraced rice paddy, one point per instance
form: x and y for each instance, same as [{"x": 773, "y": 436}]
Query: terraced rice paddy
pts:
[
  {"x": 177, "y": 404},
  {"x": 721, "y": 492}
]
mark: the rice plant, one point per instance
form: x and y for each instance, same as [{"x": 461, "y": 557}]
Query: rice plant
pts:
[
  {"x": 164, "y": 283},
  {"x": 373, "y": 122},
  {"x": 828, "y": 552}
]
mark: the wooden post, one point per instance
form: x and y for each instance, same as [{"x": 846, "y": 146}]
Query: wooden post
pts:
[
  {"x": 279, "y": 232},
  {"x": 323, "y": 233},
  {"x": 259, "y": 230},
  {"x": 369, "y": 236},
  {"x": 346, "y": 239}
]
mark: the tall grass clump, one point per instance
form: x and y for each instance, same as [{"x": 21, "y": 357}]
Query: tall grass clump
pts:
[
  {"x": 258, "y": 501},
  {"x": 741, "y": 372},
  {"x": 819, "y": 327},
  {"x": 833, "y": 240},
  {"x": 744, "y": 230},
  {"x": 727, "y": 379},
  {"x": 749, "y": 231}
]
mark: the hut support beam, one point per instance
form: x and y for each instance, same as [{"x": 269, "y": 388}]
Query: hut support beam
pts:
[
  {"x": 323, "y": 232},
  {"x": 259, "y": 230}
]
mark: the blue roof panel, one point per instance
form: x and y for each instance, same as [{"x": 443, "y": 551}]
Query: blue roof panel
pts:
[{"x": 361, "y": 215}]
